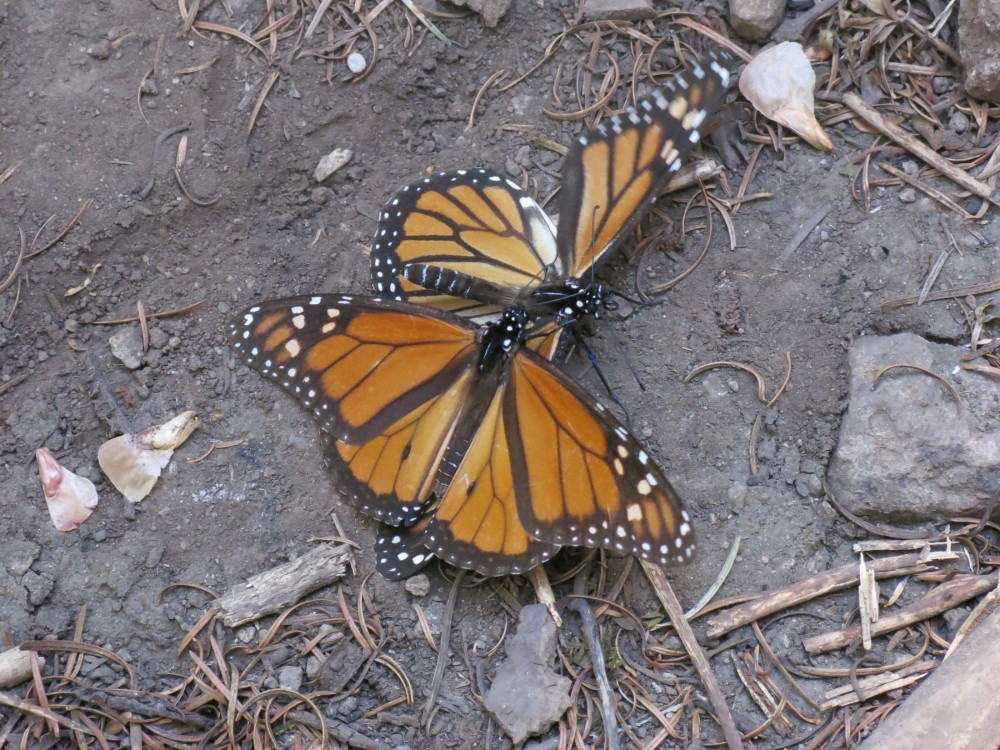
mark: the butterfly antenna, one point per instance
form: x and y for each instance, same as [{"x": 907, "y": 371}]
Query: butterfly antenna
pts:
[
  {"x": 636, "y": 302},
  {"x": 592, "y": 359}
]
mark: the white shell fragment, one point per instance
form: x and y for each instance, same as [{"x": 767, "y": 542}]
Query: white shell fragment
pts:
[
  {"x": 133, "y": 462},
  {"x": 71, "y": 498},
  {"x": 779, "y": 82},
  {"x": 357, "y": 63},
  {"x": 331, "y": 163}
]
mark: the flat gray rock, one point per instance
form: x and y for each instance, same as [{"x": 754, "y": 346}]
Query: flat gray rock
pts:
[
  {"x": 905, "y": 451},
  {"x": 527, "y": 696},
  {"x": 979, "y": 45}
]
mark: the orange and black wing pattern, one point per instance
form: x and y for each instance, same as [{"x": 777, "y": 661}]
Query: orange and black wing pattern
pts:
[
  {"x": 469, "y": 241},
  {"x": 386, "y": 385},
  {"x": 580, "y": 477},
  {"x": 615, "y": 171}
]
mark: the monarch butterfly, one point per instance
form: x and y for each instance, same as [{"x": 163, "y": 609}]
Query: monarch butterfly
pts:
[
  {"x": 420, "y": 402},
  {"x": 473, "y": 242}
]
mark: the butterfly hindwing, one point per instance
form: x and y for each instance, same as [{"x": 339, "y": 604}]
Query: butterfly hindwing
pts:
[
  {"x": 580, "y": 478},
  {"x": 466, "y": 240},
  {"x": 477, "y": 525}
]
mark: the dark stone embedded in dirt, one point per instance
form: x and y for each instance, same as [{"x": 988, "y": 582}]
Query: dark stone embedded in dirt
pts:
[
  {"x": 618, "y": 10},
  {"x": 18, "y": 556},
  {"x": 491, "y": 10},
  {"x": 527, "y": 696},
  {"x": 906, "y": 452},
  {"x": 39, "y": 586},
  {"x": 979, "y": 45},
  {"x": 33, "y": 422},
  {"x": 755, "y": 19}
]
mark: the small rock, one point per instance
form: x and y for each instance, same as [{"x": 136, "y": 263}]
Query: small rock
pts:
[
  {"x": 418, "y": 585},
  {"x": 618, "y": 10},
  {"x": 959, "y": 122},
  {"x": 290, "y": 678},
  {"x": 908, "y": 195},
  {"x": 356, "y": 63},
  {"x": 979, "y": 45},
  {"x": 909, "y": 167},
  {"x": 148, "y": 87},
  {"x": 527, "y": 696},
  {"x": 331, "y": 163},
  {"x": 755, "y": 19},
  {"x": 491, "y": 10},
  {"x": 878, "y": 253},
  {"x": 126, "y": 346},
  {"x": 941, "y": 84}
]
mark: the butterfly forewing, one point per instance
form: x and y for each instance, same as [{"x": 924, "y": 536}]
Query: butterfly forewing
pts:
[
  {"x": 580, "y": 478},
  {"x": 358, "y": 364},
  {"x": 616, "y": 170},
  {"x": 466, "y": 234}
]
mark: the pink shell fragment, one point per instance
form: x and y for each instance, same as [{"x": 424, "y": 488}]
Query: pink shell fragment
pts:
[{"x": 70, "y": 498}]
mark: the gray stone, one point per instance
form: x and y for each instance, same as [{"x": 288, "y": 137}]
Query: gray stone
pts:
[
  {"x": 979, "y": 43},
  {"x": 418, "y": 585},
  {"x": 126, "y": 346},
  {"x": 491, "y": 10},
  {"x": 908, "y": 195},
  {"x": 618, "y": 10},
  {"x": 755, "y": 19},
  {"x": 527, "y": 696},
  {"x": 290, "y": 678},
  {"x": 905, "y": 451}
]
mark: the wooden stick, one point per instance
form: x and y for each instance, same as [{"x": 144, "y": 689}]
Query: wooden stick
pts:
[
  {"x": 273, "y": 590},
  {"x": 676, "y": 613},
  {"x": 877, "y": 684},
  {"x": 945, "y": 597},
  {"x": 956, "y": 707},
  {"x": 920, "y": 149},
  {"x": 803, "y": 591}
]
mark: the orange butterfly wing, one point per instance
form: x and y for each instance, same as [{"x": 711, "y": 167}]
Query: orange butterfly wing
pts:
[{"x": 580, "y": 478}]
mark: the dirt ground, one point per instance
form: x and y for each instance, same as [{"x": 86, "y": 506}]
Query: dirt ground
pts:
[{"x": 75, "y": 126}]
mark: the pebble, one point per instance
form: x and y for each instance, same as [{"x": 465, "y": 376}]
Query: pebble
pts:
[
  {"x": 418, "y": 585},
  {"x": 357, "y": 63},
  {"x": 331, "y": 163},
  {"x": 958, "y": 122},
  {"x": 908, "y": 195},
  {"x": 290, "y": 678}
]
